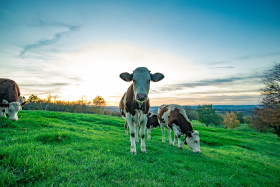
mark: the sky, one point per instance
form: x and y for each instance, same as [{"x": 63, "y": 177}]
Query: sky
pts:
[{"x": 210, "y": 52}]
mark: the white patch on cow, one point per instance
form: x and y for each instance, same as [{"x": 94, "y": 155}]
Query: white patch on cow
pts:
[{"x": 194, "y": 142}]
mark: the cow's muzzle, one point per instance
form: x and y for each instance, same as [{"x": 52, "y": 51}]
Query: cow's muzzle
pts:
[{"x": 141, "y": 97}]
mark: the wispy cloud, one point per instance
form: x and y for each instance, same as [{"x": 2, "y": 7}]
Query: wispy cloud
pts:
[
  {"x": 211, "y": 82},
  {"x": 47, "y": 42},
  {"x": 247, "y": 57}
]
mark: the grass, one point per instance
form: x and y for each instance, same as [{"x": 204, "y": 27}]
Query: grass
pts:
[{"x": 51, "y": 149}]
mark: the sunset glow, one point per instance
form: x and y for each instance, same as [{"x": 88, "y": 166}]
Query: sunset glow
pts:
[{"x": 208, "y": 54}]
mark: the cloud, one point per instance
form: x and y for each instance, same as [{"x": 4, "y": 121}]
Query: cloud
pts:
[
  {"x": 211, "y": 82},
  {"x": 47, "y": 42},
  {"x": 56, "y": 84},
  {"x": 247, "y": 57},
  {"x": 219, "y": 99}
]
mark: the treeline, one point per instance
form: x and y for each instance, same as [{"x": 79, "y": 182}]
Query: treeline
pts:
[
  {"x": 209, "y": 116},
  {"x": 264, "y": 117},
  {"x": 96, "y": 106}
]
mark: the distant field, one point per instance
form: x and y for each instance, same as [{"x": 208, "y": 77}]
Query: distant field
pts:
[{"x": 51, "y": 149}]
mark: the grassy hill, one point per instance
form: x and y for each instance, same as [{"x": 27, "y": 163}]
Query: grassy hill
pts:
[{"x": 49, "y": 148}]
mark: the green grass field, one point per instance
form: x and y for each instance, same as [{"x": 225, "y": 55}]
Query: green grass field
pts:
[{"x": 51, "y": 149}]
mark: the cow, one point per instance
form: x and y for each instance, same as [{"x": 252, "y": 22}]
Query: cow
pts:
[
  {"x": 136, "y": 103},
  {"x": 152, "y": 122},
  {"x": 174, "y": 118},
  {"x": 10, "y": 98}
]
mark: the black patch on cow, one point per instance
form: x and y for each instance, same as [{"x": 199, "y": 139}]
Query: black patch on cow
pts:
[
  {"x": 143, "y": 136},
  {"x": 152, "y": 121},
  {"x": 132, "y": 135},
  {"x": 177, "y": 118}
]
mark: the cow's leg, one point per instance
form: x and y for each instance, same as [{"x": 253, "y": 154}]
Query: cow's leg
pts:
[
  {"x": 137, "y": 133},
  {"x": 175, "y": 140},
  {"x": 132, "y": 133},
  {"x": 149, "y": 132},
  {"x": 142, "y": 133},
  {"x": 177, "y": 134},
  {"x": 3, "y": 112},
  {"x": 125, "y": 127},
  {"x": 169, "y": 135},
  {"x": 162, "y": 132}
]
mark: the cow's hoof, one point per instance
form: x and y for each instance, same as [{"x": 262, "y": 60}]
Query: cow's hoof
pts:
[
  {"x": 133, "y": 152},
  {"x": 137, "y": 141},
  {"x": 143, "y": 150},
  {"x": 149, "y": 138},
  {"x": 163, "y": 141}
]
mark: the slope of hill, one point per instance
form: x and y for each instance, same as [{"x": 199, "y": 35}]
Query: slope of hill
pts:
[{"x": 50, "y": 148}]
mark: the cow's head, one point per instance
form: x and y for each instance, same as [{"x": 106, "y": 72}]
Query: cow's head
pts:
[
  {"x": 192, "y": 139},
  {"x": 141, "y": 78},
  {"x": 14, "y": 107}
]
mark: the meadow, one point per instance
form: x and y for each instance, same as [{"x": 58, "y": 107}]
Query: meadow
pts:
[{"x": 52, "y": 148}]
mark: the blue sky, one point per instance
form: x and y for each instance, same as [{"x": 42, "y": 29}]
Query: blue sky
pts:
[{"x": 211, "y": 52}]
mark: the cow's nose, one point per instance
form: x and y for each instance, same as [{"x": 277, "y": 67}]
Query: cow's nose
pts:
[{"x": 141, "y": 97}]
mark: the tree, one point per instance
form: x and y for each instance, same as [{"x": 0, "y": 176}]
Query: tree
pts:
[
  {"x": 33, "y": 98},
  {"x": 271, "y": 91},
  {"x": 240, "y": 117},
  {"x": 99, "y": 104},
  {"x": 99, "y": 101},
  {"x": 231, "y": 120},
  {"x": 208, "y": 115},
  {"x": 191, "y": 113},
  {"x": 268, "y": 115}
]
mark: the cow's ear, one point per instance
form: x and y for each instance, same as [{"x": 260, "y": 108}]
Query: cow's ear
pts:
[
  {"x": 23, "y": 103},
  {"x": 157, "y": 77},
  {"x": 126, "y": 76}
]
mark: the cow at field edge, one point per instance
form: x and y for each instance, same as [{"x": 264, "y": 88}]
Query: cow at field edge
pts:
[
  {"x": 174, "y": 117},
  {"x": 136, "y": 102},
  {"x": 10, "y": 98}
]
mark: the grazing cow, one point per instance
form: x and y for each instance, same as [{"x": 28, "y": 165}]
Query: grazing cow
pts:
[
  {"x": 174, "y": 117},
  {"x": 136, "y": 102},
  {"x": 10, "y": 98},
  {"x": 152, "y": 123}
]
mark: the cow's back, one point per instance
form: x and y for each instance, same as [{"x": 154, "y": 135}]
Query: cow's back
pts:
[{"x": 9, "y": 90}]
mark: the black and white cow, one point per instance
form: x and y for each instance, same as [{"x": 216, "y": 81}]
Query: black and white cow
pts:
[
  {"x": 152, "y": 122},
  {"x": 136, "y": 102},
  {"x": 174, "y": 118},
  {"x": 10, "y": 98}
]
